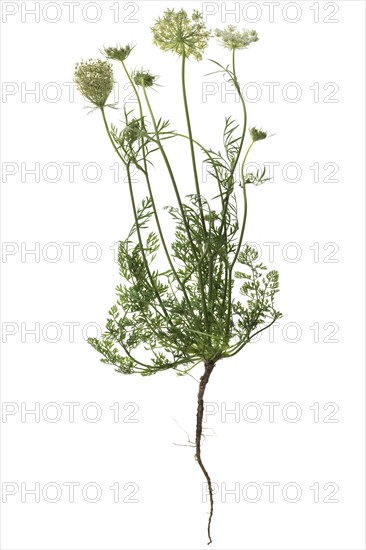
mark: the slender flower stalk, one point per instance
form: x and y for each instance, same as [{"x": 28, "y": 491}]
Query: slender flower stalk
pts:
[
  {"x": 189, "y": 311},
  {"x": 189, "y": 128}
]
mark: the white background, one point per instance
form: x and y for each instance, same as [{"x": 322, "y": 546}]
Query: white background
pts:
[{"x": 52, "y": 127}]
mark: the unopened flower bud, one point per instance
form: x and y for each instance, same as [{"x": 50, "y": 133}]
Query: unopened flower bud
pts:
[
  {"x": 257, "y": 135},
  {"x": 143, "y": 78},
  {"x": 118, "y": 53}
]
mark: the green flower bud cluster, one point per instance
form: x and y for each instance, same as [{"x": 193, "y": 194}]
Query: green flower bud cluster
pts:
[
  {"x": 176, "y": 32},
  {"x": 133, "y": 130},
  {"x": 94, "y": 80},
  {"x": 143, "y": 78},
  {"x": 233, "y": 39},
  {"x": 211, "y": 217},
  {"x": 118, "y": 53},
  {"x": 257, "y": 135}
]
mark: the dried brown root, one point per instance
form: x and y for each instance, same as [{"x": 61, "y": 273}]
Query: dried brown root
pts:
[{"x": 209, "y": 366}]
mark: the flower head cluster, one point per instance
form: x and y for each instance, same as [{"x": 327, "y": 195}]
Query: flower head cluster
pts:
[
  {"x": 143, "y": 78},
  {"x": 118, "y": 53},
  {"x": 233, "y": 39},
  {"x": 176, "y": 32},
  {"x": 256, "y": 134},
  {"x": 94, "y": 80}
]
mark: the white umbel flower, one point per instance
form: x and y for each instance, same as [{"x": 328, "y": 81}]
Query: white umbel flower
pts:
[{"x": 234, "y": 39}]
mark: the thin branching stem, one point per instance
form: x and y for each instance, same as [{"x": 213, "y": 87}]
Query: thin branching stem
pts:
[
  {"x": 234, "y": 79},
  {"x": 245, "y": 212},
  {"x": 146, "y": 264},
  {"x": 148, "y": 183},
  {"x": 232, "y": 265},
  {"x": 145, "y": 365},
  {"x": 239, "y": 346},
  {"x": 181, "y": 208},
  {"x": 207, "y": 152},
  {"x": 138, "y": 231}
]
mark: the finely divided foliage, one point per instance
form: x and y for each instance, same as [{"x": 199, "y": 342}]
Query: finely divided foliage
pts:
[{"x": 176, "y": 300}]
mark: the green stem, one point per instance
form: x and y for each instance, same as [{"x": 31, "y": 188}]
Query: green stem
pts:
[
  {"x": 235, "y": 163},
  {"x": 109, "y": 135},
  {"x": 236, "y": 84},
  {"x": 239, "y": 244},
  {"x": 228, "y": 274},
  {"x": 245, "y": 210},
  {"x": 193, "y": 157}
]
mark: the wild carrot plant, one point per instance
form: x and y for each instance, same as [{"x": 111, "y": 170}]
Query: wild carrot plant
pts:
[{"x": 187, "y": 312}]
